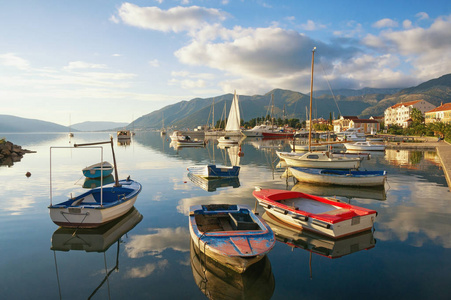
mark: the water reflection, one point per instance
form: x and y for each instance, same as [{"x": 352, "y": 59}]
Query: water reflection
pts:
[
  {"x": 210, "y": 185},
  {"x": 319, "y": 244},
  {"x": 219, "y": 282},
  {"x": 94, "y": 240},
  {"x": 375, "y": 193},
  {"x": 91, "y": 183}
]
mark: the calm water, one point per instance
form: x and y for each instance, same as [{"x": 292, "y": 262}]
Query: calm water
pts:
[{"x": 408, "y": 256}]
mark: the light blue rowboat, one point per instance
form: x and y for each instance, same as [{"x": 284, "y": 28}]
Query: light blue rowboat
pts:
[{"x": 98, "y": 170}]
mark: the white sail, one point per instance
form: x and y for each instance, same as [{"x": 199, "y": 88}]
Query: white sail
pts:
[{"x": 233, "y": 122}]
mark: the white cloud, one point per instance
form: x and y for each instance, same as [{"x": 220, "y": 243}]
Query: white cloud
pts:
[
  {"x": 12, "y": 60},
  {"x": 407, "y": 24},
  {"x": 422, "y": 16},
  {"x": 84, "y": 65},
  {"x": 311, "y": 26},
  {"x": 385, "y": 23},
  {"x": 154, "y": 63},
  {"x": 146, "y": 270},
  {"x": 175, "y": 19}
]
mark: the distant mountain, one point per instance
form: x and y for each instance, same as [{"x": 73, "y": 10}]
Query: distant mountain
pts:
[
  {"x": 10, "y": 123},
  {"x": 98, "y": 126},
  {"x": 356, "y": 93}
]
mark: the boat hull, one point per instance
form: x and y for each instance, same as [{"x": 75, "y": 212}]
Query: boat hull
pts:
[
  {"x": 339, "y": 177},
  {"x": 235, "y": 248},
  {"x": 85, "y": 211},
  {"x": 214, "y": 171},
  {"x": 320, "y": 160},
  {"x": 317, "y": 214},
  {"x": 365, "y": 147},
  {"x": 97, "y": 170}
]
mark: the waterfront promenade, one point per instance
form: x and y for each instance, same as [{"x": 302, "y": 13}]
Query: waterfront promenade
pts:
[{"x": 424, "y": 143}]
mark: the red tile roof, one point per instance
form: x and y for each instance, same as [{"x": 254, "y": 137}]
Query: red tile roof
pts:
[
  {"x": 443, "y": 107},
  {"x": 405, "y": 103}
]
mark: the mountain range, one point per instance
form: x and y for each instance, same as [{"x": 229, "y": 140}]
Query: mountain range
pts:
[{"x": 363, "y": 103}]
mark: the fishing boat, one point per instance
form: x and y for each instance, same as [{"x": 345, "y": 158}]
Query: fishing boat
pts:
[
  {"x": 229, "y": 140},
  {"x": 214, "y": 171},
  {"x": 317, "y": 214},
  {"x": 98, "y": 170},
  {"x": 186, "y": 140},
  {"x": 124, "y": 134},
  {"x": 339, "y": 177},
  {"x": 232, "y": 235},
  {"x": 364, "y": 146},
  {"x": 97, "y": 206},
  {"x": 319, "y": 159}
]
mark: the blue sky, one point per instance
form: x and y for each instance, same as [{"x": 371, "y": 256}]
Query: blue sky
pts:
[{"x": 106, "y": 60}]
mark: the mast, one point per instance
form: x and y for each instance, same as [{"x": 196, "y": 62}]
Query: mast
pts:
[{"x": 311, "y": 95}]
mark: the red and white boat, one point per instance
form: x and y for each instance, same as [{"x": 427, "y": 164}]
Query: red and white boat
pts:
[{"x": 320, "y": 215}]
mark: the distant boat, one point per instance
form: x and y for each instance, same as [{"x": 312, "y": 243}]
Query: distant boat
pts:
[
  {"x": 364, "y": 146},
  {"x": 232, "y": 128},
  {"x": 186, "y": 140},
  {"x": 317, "y": 214},
  {"x": 98, "y": 170},
  {"x": 124, "y": 135},
  {"x": 214, "y": 171},
  {"x": 339, "y": 177},
  {"x": 232, "y": 235}
]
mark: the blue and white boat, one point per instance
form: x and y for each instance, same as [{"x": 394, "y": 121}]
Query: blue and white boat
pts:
[
  {"x": 101, "y": 169},
  {"x": 214, "y": 171},
  {"x": 339, "y": 177},
  {"x": 232, "y": 235}
]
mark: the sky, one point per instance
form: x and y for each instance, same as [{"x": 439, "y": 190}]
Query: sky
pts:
[{"x": 69, "y": 62}]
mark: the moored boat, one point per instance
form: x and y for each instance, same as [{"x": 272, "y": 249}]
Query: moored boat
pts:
[
  {"x": 319, "y": 159},
  {"x": 230, "y": 234},
  {"x": 321, "y": 215},
  {"x": 214, "y": 171},
  {"x": 339, "y": 177},
  {"x": 97, "y": 206},
  {"x": 101, "y": 169},
  {"x": 124, "y": 134},
  {"x": 365, "y": 146}
]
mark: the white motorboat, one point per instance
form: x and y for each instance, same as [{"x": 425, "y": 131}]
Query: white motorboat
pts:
[
  {"x": 319, "y": 159},
  {"x": 364, "y": 146}
]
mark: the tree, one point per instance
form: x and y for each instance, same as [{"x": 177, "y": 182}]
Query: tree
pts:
[{"x": 417, "y": 116}]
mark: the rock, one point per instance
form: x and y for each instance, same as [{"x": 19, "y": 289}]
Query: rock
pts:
[{"x": 10, "y": 153}]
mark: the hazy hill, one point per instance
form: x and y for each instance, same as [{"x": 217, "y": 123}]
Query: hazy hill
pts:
[
  {"x": 17, "y": 124},
  {"x": 98, "y": 126}
]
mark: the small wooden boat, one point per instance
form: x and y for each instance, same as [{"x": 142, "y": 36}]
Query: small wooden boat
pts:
[
  {"x": 230, "y": 234},
  {"x": 339, "y": 177},
  {"x": 214, "y": 171},
  {"x": 365, "y": 146},
  {"x": 229, "y": 140},
  {"x": 321, "y": 215},
  {"x": 97, "y": 206},
  {"x": 101, "y": 169},
  {"x": 186, "y": 140},
  {"x": 319, "y": 159}
]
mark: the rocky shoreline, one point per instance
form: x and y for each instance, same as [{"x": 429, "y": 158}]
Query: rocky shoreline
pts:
[{"x": 10, "y": 153}]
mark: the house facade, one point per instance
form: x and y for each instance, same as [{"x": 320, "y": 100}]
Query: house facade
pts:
[
  {"x": 400, "y": 113},
  {"x": 439, "y": 114}
]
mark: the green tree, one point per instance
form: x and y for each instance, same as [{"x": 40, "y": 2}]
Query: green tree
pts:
[{"x": 417, "y": 116}]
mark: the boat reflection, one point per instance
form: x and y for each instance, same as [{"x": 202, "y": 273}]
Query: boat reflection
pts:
[
  {"x": 91, "y": 183},
  {"x": 319, "y": 244},
  {"x": 219, "y": 282},
  {"x": 210, "y": 185},
  {"x": 348, "y": 192},
  {"x": 95, "y": 240},
  {"x": 124, "y": 142}
]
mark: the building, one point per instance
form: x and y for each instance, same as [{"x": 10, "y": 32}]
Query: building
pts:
[
  {"x": 400, "y": 113},
  {"x": 365, "y": 125},
  {"x": 439, "y": 114},
  {"x": 343, "y": 123}
]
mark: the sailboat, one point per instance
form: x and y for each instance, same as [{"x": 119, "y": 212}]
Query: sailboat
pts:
[
  {"x": 317, "y": 159},
  {"x": 213, "y": 131},
  {"x": 232, "y": 129},
  {"x": 162, "y": 131},
  {"x": 275, "y": 132}
]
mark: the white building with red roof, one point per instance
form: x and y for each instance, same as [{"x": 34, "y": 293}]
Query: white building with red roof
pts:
[{"x": 400, "y": 113}]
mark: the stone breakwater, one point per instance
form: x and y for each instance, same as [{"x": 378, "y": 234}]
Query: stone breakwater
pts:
[{"x": 10, "y": 153}]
